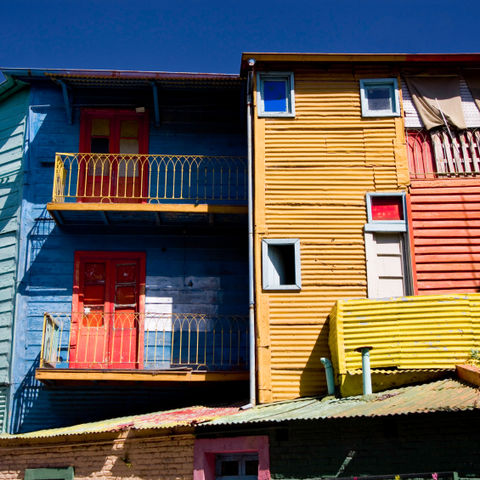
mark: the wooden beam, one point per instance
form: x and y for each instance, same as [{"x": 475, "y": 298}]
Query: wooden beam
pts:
[
  {"x": 70, "y": 375},
  {"x": 146, "y": 207}
]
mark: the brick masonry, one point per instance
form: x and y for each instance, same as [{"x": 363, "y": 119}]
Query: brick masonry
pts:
[{"x": 159, "y": 458}]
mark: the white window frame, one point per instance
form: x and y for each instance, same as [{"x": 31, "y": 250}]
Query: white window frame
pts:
[
  {"x": 289, "y": 90},
  {"x": 266, "y": 264},
  {"x": 380, "y": 82},
  {"x": 387, "y": 226}
]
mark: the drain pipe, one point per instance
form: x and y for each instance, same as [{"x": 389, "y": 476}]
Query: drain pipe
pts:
[
  {"x": 251, "y": 278},
  {"x": 329, "y": 374},
  {"x": 366, "y": 373}
]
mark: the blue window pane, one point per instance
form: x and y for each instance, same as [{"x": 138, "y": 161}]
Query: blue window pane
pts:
[
  {"x": 379, "y": 98},
  {"x": 275, "y": 95}
]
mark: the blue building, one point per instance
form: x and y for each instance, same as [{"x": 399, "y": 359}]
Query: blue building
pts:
[{"x": 124, "y": 244}]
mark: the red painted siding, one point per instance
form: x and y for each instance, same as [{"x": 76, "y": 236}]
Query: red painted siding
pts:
[{"x": 446, "y": 235}]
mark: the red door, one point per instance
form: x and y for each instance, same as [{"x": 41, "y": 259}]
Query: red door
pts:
[
  {"x": 116, "y": 178},
  {"x": 107, "y": 320}
]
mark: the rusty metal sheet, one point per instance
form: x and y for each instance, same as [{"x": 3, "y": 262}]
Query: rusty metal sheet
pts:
[
  {"x": 443, "y": 395},
  {"x": 159, "y": 420}
]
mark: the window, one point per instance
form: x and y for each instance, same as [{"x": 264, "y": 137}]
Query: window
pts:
[
  {"x": 379, "y": 97},
  {"x": 281, "y": 264},
  {"x": 49, "y": 473},
  {"x": 386, "y": 246},
  {"x": 232, "y": 458},
  {"x": 236, "y": 467},
  {"x": 275, "y": 97}
]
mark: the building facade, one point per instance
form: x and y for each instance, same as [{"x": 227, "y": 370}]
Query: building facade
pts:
[{"x": 131, "y": 289}]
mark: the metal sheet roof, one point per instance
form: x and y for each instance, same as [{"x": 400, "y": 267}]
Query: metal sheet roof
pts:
[
  {"x": 443, "y": 395},
  {"x": 159, "y": 420},
  {"x": 125, "y": 78}
]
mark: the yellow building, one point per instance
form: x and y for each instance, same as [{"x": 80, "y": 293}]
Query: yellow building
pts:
[{"x": 331, "y": 221}]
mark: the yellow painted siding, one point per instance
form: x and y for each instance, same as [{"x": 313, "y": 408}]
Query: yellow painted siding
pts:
[
  {"x": 312, "y": 173},
  {"x": 422, "y": 332}
]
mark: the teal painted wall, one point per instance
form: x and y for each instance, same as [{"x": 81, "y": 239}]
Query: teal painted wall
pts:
[{"x": 13, "y": 113}]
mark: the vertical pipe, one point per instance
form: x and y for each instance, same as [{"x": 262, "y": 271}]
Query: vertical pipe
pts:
[
  {"x": 251, "y": 290},
  {"x": 329, "y": 374},
  {"x": 366, "y": 374}
]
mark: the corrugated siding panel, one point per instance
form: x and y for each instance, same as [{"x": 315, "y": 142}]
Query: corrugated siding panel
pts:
[
  {"x": 422, "y": 332},
  {"x": 12, "y": 130},
  {"x": 446, "y": 230},
  {"x": 318, "y": 167}
]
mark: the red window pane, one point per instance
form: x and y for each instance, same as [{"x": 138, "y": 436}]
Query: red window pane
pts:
[
  {"x": 94, "y": 273},
  {"x": 125, "y": 295},
  {"x": 93, "y": 317},
  {"x": 126, "y": 273},
  {"x": 94, "y": 295},
  {"x": 387, "y": 208}
]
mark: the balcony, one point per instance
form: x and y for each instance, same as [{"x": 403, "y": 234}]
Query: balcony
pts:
[
  {"x": 443, "y": 153},
  {"x": 413, "y": 338},
  {"x": 125, "y": 346},
  {"x": 119, "y": 189}
]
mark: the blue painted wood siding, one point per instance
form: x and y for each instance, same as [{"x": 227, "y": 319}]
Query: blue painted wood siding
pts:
[
  {"x": 204, "y": 274},
  {"x": 13, "y": 112}
]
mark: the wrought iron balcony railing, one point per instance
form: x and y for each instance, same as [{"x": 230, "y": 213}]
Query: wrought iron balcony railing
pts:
[
  {"x": 127, "y": 340},
  {"x": 442, "y": 153},
  {"x": 133, "y": 178}
]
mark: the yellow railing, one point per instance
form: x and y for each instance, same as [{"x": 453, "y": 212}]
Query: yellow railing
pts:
[
  {"x": 421, "y": 332},
  {"x": 94, "y": 339},
  {"x": 132, "y": 178}
]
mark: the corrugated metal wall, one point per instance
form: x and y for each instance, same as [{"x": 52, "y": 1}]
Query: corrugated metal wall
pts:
[
  {"x": 422, "y": 332},
  {"x": 12, "y": 129},
  {"x": 446, "y": 231},
  {"x": 312, "y": 173}
]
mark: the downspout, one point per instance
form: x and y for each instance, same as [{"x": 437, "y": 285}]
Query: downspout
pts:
[
  {"x": 366, "y": 373},
  {"x": 329, "y": 374},
  {"x": 251, "y": 277}
]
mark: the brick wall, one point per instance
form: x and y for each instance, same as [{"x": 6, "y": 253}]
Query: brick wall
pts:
[{"x": 159, "y": 458}]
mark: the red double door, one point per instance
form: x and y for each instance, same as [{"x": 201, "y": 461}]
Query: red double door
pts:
[
  {"x": 108, "y": 301},
  {"x": 123, "y": 175}
]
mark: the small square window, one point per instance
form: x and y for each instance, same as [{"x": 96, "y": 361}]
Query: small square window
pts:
[
  {"x": 386, "y": 212},
  {"x": 379, "y": 97},
  {"x": 275, "y": 96},
  {"x": 281, "y": 264}
]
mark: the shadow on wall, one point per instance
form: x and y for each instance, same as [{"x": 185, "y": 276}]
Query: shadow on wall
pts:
[{"x": 313, "y": 380}]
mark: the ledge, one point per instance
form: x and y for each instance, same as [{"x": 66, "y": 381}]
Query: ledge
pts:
[
  {"x": 147, "y": 207},
  {"x": 185, "y": 375}
]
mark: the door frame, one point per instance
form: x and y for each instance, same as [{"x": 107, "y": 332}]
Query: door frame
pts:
[
  {"x": 89, "y": 114},
  {"x": 83, "y": 256}
]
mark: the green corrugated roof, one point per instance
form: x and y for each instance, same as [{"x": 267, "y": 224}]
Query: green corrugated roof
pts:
[{"x": 442, "y": 395}]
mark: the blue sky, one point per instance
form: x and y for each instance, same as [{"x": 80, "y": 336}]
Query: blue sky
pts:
[{"x": 210, "y": 35}]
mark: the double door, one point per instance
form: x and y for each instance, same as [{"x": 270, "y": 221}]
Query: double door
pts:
[
  {"x": 111, "y": 165},
  {"x": 107, "y": 321}
]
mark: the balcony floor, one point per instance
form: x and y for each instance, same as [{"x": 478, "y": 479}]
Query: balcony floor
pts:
[
  {"x": 78, "y": 376},
  {"x": 144, "y": 214}
]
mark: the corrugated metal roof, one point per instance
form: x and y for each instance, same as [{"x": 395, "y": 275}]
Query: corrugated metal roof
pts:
[
  {"x": 159, "y": 420},
  {"x": 126, "y": 78},
  {"x": 443, "y": 395}
]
